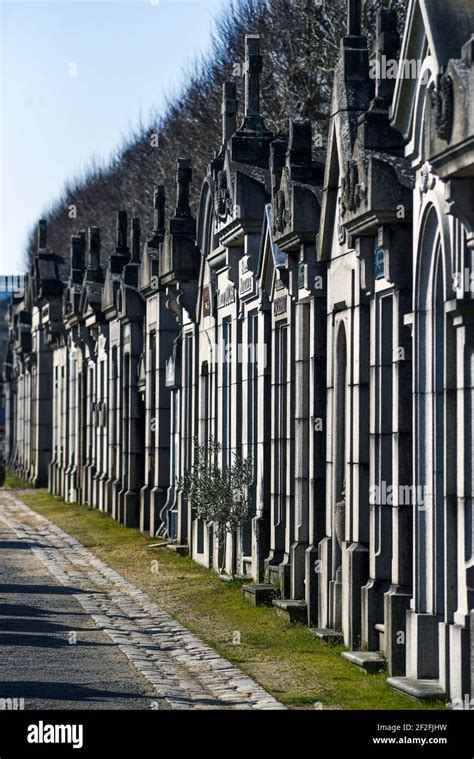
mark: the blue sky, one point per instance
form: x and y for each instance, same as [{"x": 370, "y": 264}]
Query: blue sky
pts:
[{"x": 126, "y": 56}]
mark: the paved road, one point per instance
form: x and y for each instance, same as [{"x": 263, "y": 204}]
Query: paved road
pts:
[
  {"x": 75, "y": 635},
  {"x": 38, "y": 618}
]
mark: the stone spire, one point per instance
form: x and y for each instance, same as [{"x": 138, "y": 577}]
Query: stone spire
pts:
[
  {"x": 387, "y": 46},
  {"x": 130, "y": 271},
  {"x": 377, "y": 133},
  {"x": 122, "y": 232},
  {"x": 183, "y": 223},
  {"x": 159, "y": 203},
  {"x": 42, "y": 234},
  {"x": 253, "y": 68},
  {"x": 180, "y": 259},
  {"x": 251, "y": 143},
  {"x": 121, "y": 255},
  {"x": 299, "y": 149},
  {"x": 136, "y": 232},
  {"x": 78, "y": 251},
  {"x": 93, "y": 263},
  {"x": 229, "y": 111},
  {"x": 252, "y": 71},
  {"x": 184, "y": 175},
  {"x": 94, "y": 271},
  {"x": 353, "y": 67},
  {"x": 354, "y": 18}
]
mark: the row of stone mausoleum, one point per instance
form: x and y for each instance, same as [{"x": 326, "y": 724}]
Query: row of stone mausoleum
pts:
[{"x": 318, "y": 317}]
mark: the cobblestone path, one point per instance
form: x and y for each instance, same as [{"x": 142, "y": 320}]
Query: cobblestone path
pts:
[{"x": 128, "y": 653}]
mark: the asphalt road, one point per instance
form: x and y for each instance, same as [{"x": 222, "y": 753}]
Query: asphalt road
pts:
[
  {"x": 76, "y": 634},
  {"x": 38, "y": 663}
]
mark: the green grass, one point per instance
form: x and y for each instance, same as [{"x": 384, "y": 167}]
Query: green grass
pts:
[
  {"x": 287, "y": 660},
  {"x": 12, "y": 481}
]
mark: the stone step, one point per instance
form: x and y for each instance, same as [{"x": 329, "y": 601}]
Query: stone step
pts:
[
  {"x": 421, "y": 690},
  {"x": 370, "y": 661},
  {"x": 325, "y": 633},
  {"x": 293, "y": 611},
  {"x": 181, "y": 550},
  {"x": 259, "y": 594}
]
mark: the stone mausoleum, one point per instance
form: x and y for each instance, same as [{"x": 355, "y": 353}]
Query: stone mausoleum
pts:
[{"x": 317, "y": 317}]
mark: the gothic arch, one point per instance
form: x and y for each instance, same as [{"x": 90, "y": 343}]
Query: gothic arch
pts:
[
  {"x": 424, "y": 86},
  {"x": 205, "y": 217},
  {"x": 434, "y": 430},
  {"x": 340, "y": 408},
  {"x": 338, "y": 509},
  {"x": 433, "y": 232}
]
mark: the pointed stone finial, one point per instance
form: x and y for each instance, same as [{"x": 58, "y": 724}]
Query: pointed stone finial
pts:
[
  {"x": 42, "y": 226},
  {"x": 387, "y": 40},
  {"x": 78, "y": 250},
  {"x": 277, "y": 162},
  {"x": 122, "y": 231},
  {"x": 159, "y": 204},
  {"x": 179, "y": 256},
  {"x": 387, "y": 46},
  {"x": 93, "y": 263},
  {"x": 229, "y": 110},
  {"x": 184, "y": 175},
  {"x": 354, "y": 61},
  {"x": 252, "y": 70},
  {"x": 136, "y": 239},
  {"x": 354, "y": 18},
  {"x": 386, "y": 22},
  {"x": 299, "y": 145},
  {"x": 251, "y": 143}
]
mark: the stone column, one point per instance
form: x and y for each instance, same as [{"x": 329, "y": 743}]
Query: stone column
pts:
[
  {"x": 133, "y": 463},
  {"x": 282, "y": 461},
  {"x": 302, "y": 452},
  {"x": 261, "y": 520},
  {"x": 355, "y": 552},
  {"x": 317, "y": 442},
  {"x": 397, "y": 598},
  {"x": 381, "y": 481},
  {"x": 455, "y": 635},
  {"x": 167, "y": 331},
  {"x": 43, "y": 393},
  {"x": 118, "y": 441},
  {"x": 112, "y": 426}
]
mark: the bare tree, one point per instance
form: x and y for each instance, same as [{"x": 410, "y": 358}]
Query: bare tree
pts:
[{"x": 301, "y": 41}]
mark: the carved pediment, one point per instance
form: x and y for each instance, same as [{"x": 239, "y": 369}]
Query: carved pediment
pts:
[
  {"x": 222, "y": 196},
  {"x": 353, "y": 191},
  {"x": 282, "y": 205},
  {"x": 443, "y": 101},
  {"x": 108, "y": 294}
]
